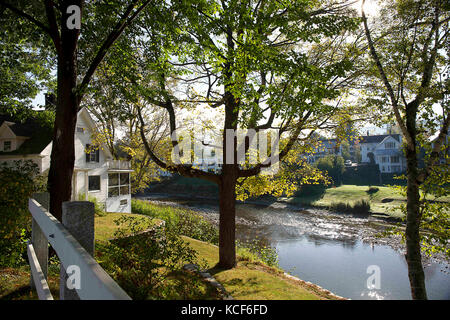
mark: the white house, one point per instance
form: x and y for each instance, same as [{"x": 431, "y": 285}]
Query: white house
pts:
[
  {"x": 96, "y": 174},
  {"x": 385, "y": 151}
]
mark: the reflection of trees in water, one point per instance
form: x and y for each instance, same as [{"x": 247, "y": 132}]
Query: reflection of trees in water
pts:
[{"x": 348, "y": 243}]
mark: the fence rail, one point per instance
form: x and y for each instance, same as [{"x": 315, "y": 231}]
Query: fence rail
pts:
[{"x": 94, "y": 284}]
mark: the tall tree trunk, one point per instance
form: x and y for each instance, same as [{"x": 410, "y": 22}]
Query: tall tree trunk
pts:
[
  {"x": 413, "y": 215},
  {"x": 413, "y": 255},
  {"x": 227, "y": 223},
  {"x": 63, "y": 149}
]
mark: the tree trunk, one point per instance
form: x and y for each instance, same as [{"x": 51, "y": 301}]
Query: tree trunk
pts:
[
  {"x": 227, "y": 223},
  {"x": 63, "y": 149},
  {"x": 413, "y": 214},
  {"x": 413, "y": 255}
]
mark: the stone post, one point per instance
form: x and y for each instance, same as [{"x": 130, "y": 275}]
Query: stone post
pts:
[{"x": 78, "y": 219}]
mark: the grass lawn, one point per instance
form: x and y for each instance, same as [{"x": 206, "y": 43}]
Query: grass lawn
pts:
[
  {"x": 253, "y": 280},
  {"x": 105, "y": 226},
  {"x": 383, "y": 201},
  {"x": 15, "y": 284}
]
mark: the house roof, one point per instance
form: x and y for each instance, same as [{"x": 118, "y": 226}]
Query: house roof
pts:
[
  {"x": 39, "y": 135},
  {"x": 378, "y": 138}
]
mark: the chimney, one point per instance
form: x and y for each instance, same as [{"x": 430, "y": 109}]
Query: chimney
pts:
[{"x": 50, "y": 100}]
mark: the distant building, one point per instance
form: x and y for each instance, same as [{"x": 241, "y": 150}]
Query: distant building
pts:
[{"x": 385, "y": 150}]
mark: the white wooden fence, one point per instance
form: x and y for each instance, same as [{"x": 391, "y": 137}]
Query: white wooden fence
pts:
[{"x": 95, "y": 283}]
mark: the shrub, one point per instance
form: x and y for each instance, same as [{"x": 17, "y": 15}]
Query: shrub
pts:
[
  {"x": 372, "y": 190},
  {"x": 17, "y": 184},
  {"x": 359, "y": 207},
  {"x": 257, "y": 250},
  {"x": 148, "y": 264},
  {"x": 98, "y": 207}
]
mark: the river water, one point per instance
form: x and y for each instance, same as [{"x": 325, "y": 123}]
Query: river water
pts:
[{"x": 338, "y": 252}]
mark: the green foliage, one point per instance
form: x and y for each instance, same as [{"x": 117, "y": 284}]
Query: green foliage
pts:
[
  {"x": 184, "y": 222},
  {"x": 333, "y": 166},
  {"x": 98, "y": 206},
  {"x": 16, "y": 187},
  {"x": 24, "y": 68},
  {"x": 148, "y": 264},
  {"x": 257, "y": 250},
  {"x": 434, "y": 209}
]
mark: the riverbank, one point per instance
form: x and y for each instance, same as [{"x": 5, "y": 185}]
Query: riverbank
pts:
[
  {"x": 384, "y": 201},
  {"x": 251, "y": 279},
  {"x": 309, "y": 241}
]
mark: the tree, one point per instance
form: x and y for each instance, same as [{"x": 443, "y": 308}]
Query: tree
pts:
[
  {"x": 77, "y": 58},
  {"x": 107, "y": 101},
  {"x": 23, "y": 67},
  {"x": 408, "y": 58},
  {"x": 255, "y": 65},
  {"x": 332, "y": 165}
]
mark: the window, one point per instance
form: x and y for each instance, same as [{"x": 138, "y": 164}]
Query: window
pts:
[
  {"x": 118, "y": 184},
  {"x": 94, "y": 183},
  {"x": 384, "y": 159},
  {"x": 389, "y": 145},
  {"x": 7, "y": 146},
  {"x": 213, "y": 153},
  {"x": 93, "y": 155},
  {"x": 80, "y": 129},
  {"x": 395, "y": 159},
  {"x": 123, "y": 202}
]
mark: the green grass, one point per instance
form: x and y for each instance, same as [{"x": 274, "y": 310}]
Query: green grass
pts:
[
  {"x": 254, "y": 280},
  {"x": 105, "y": 226},
  {"x": 351, "y": 194},
  {"x": 15, "y": 284}
]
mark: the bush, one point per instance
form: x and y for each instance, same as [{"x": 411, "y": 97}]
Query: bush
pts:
[
  {"x": 17, "y": 184},
  {"x": 333, "y": 166},
  {"x": 257, "y": 250},
  {"x": 98, "y": 207},
  {"x": 148, "y": 264},
  {"x": 372, "y": 190}
]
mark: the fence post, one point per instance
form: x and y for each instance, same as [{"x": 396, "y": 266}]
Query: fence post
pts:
[
  {"x": 38, "y": 238},
  {"x": 78, "y": 218}
]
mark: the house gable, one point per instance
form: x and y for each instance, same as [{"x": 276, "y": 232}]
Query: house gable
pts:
[
  {"x": 85, "y": 128},
  {"x": 29, "y": 137},
  {"x": 388, "y": 142}
]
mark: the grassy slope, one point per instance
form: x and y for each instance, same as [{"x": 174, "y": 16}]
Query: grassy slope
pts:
[
  {"x": 252, "y": 280},
  {"x": 248, "y": 281}
]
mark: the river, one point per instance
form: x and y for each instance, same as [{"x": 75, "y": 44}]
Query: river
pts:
[{"x": 338, "y": 252}]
